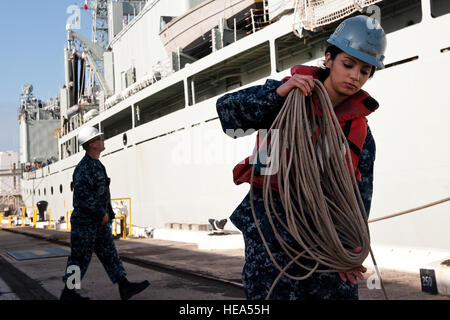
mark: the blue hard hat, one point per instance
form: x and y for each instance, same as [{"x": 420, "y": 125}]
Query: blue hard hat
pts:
[{"x": 361, "y": 37}]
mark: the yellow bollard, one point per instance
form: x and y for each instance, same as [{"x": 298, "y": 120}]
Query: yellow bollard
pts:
[
  {"x": 124, "y": 228},
  {"x": 23, "y": 216},
  {"x": 49, "y": 218},
  {"x": 34, "y": 218},
  {"x": 67, "y": 221},
  {"x": 129, "y": 211},
  {"x": 129, "y": 214},
  {"x": 68, "y": 225},
  {"x": 9, "y": 220}
]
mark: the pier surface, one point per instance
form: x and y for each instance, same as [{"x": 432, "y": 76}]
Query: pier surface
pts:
[{"x": 222, "y": 266}]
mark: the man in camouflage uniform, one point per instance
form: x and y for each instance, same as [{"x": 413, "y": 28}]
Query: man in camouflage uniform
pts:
[{"x": 91, "y": 220}]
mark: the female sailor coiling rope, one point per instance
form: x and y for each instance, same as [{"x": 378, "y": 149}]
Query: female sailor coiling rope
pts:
[{"x": 302, "y": 237}]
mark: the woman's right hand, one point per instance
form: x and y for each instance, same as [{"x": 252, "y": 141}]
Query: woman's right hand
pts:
[{"x": 304, "y": 83}]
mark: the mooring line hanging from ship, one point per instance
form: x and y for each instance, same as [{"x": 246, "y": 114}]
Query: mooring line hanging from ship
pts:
[
  {"x": 328, "y": 188},
  {"x": 431, "y": 204}
]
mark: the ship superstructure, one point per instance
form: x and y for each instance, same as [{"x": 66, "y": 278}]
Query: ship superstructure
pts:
[{"x": 39, "y": 128}]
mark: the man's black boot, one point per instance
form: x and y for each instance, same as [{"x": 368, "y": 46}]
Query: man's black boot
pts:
[
  {"x": 128, "y": 289},
  {"x": 71, "y": 295}
]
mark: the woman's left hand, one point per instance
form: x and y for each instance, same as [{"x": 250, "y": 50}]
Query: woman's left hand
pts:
[{"x": 354, "y": 273}]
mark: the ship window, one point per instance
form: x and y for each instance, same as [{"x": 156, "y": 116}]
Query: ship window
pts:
[
  {"x": 117, "y": 123},
  {"x": 439, "y": 8},
  {"x": 164, "y": 21},
  {"x": 51, "y": 190},
  {"x": 69, "y": 148},
  {"x": 71, "y": 186},
  {"x": 45, "y": 192},
  {"x": 75, "y": 142},
  {"x": 239, "y": 70},
  {"x": 39, "y": 192},
  {"x": 60, "y": 188},
  {"x": 397, "y": 15},
  {"x": 160, "y": 104},
  {"x": 290, "y": 50}
]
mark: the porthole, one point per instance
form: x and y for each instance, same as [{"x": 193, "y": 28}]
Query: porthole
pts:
[{"x": 125, "y": 139}]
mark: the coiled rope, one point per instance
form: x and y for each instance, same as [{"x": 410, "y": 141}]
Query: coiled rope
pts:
[{"x": 322, "y": 207}]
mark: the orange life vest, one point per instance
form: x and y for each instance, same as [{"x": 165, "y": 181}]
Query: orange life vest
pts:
[{"x": 352, "y": 118}]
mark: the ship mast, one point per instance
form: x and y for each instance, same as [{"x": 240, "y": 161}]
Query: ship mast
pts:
[
  {"x": 99, "y": 30},
  {"x": 93, "y": 55}
]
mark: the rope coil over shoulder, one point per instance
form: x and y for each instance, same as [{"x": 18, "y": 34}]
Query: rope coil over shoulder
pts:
[{"x": 324, "y": 211}]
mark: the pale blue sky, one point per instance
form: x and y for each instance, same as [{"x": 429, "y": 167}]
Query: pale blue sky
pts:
[{"x": 32, "y": 35}]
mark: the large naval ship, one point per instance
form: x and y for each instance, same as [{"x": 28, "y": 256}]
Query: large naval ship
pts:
[{"x": 151, "y": 74}]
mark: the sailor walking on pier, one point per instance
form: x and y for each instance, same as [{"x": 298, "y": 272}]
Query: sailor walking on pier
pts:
[{"x": 91, "y": 221}]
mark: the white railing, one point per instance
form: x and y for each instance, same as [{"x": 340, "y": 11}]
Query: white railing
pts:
[
  {"x": 160, "y": 71},
  {"x": 310, "y": 14}
]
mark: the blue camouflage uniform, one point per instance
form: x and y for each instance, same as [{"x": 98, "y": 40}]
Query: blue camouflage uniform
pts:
[
  {"x": 91, "y": 201},
  {"x": 256, "y": 108}
]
